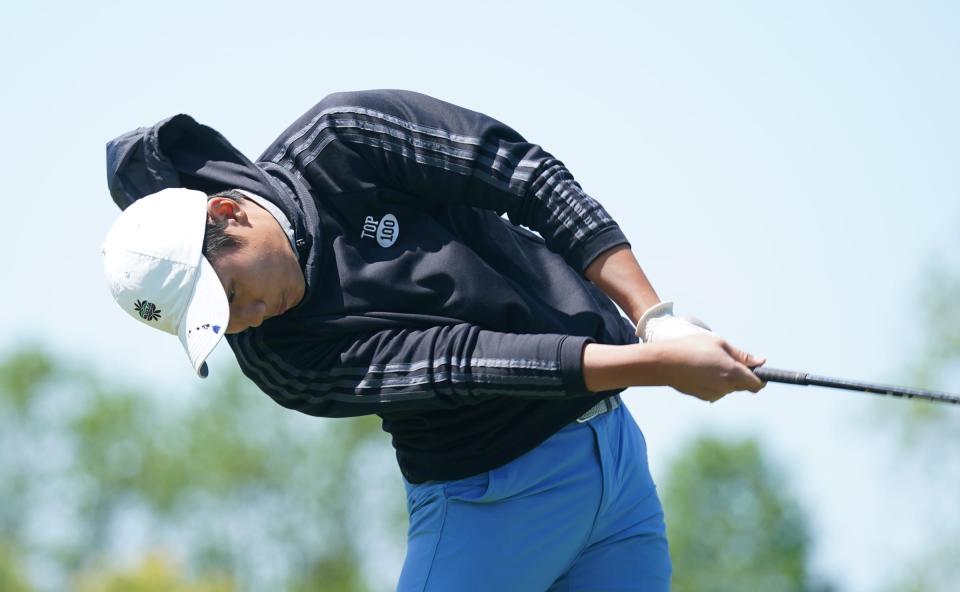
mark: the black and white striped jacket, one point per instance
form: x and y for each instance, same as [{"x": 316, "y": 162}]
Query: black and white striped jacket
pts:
[{"x": 462, "y": 330}]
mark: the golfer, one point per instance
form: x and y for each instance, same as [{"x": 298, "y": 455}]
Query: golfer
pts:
[{"x": 362, "y": 266}]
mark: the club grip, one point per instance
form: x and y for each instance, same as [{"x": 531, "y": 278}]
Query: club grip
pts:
[{"x": 776, "y": 375}]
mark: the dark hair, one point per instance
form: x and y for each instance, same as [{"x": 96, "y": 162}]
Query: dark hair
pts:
[{"x": 216, "y": 240}]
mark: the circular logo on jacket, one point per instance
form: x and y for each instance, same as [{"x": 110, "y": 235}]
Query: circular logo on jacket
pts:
[
  {"x": 385, "y": 230},
  {"x": 388, "y": 230}
]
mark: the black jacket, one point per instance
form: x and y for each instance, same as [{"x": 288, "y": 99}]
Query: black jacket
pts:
[{"x": 460, "y": 329}]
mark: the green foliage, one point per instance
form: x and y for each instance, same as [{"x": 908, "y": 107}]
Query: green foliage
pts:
[
  {"x": 935, "y": 361},
  {"x": 21, "y": 374},
  {"x": 931, "y": 432},
  {"x": 156, "y": 573},
  {"x": 12, "y": 578},
  {"x": 261, "y": 496},
  {"x": 331, "y": 574},
  {"x": 936, "y": 571},
  {"x": 730, "y": 523}
]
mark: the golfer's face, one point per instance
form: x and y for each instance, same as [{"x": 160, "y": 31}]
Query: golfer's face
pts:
[{"x": 261, "y": 281}]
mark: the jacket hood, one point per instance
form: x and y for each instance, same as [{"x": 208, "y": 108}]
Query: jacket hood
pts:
[{"x": 178, "y": 152}]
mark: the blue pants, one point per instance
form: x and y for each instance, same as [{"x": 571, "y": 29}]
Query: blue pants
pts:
[{"x": 579, "y": 512}]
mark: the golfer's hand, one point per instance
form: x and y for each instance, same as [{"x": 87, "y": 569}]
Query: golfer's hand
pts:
[{"x": 707, "y": 367}]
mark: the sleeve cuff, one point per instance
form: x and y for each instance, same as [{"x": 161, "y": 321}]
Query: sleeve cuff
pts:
[
  {"x": 571, "y": 364},
  {"x": 583, "y": 254}
]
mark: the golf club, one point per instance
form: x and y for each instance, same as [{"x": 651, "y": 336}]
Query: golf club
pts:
[{"x": 804, "y": 379}]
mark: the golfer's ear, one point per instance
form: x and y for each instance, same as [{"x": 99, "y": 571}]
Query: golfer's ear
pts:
[{"x": 224, "y": 208}]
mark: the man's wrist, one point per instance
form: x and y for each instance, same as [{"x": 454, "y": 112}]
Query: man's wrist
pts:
[
  {"x": 639, "y": 308},
  {"x": 616, "y": 367}
]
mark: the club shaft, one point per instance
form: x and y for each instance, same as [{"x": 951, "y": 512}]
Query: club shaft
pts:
[{"x": 804, "y": 379}]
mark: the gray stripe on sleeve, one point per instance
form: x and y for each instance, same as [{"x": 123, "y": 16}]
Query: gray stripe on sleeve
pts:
[
  {"x": 516, "y": 184},
  {"x": 289, "y": 385}
]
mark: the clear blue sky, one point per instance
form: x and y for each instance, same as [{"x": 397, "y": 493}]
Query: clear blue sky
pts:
[{"x": 784, "y": 171}]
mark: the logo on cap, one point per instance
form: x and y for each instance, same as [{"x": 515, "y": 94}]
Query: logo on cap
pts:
[{"x": 148, "y": 311}]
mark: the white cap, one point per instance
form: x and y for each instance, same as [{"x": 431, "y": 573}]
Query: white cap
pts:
[{"x": 156, "y": 270}]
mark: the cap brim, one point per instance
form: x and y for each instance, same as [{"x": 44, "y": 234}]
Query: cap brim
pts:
[{"x": 206, "y": 319}]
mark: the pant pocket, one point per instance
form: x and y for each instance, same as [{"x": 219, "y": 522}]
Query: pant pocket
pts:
[{"x": 477, "y": 488}]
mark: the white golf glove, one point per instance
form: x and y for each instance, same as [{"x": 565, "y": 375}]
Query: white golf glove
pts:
[{"x": 659, "y": 324}]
